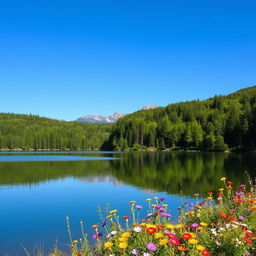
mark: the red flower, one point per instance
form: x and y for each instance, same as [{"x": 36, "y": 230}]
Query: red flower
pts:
[
  {"x": 205, "y": 252},
  {"x": 248, "y": 233},
  {"x": 151, "y": 230},
  {"x": 160, "y": 226},
  {"x": 126, "y": 217},
  {"x": 186, "y": 236},
  {"x": 229, "y": 182},
  {"x": 247, "y": 240},
  {"x": 223, "y": 215}
]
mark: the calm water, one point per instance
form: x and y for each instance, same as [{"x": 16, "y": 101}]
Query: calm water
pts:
[{"x": 37, "y": 190}]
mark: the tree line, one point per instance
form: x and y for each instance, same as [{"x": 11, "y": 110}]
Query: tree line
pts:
[
  {"x": 217, "y": 124},
  {"x": 34, "y": 132}
]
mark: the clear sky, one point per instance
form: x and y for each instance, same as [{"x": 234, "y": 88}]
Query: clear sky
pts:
[{"x": 64, "y": 59}]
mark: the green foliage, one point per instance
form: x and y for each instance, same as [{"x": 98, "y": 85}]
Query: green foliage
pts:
[
  {"x": 216, "y": 124},
  {"x": 34, "y": 132}
]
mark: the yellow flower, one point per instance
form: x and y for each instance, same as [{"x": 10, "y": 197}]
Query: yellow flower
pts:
[
  {"x": 165, "y": 205},
  {"x": 148, "y": 199},
  {"x": 158, "y": 235},
  {"x": 109, "y": 216},
  {"x": 221, "y": 189},
  {"x": 122, "y": 239},
  {"x": 108, "y": 244},
  {"x": 155, "y": 197},
  {"x": 199, "y": 228},
  {"x": 193, "y": 234},
  {"x": 223, "y": 178},
  {"x": 113, "y": 211},
  {"x": 179, "y": 226},
  {"x": 163, "y": 241},
  {"x": 75, "y": 241},
  {"x": 209, "y": 198},
  {"x": 123, "y": 245},
  {"x": 153, "y": 205},
  {"x": 200, "y": 247},
  {"x": 193, "y": 241},
  {"x": 170, "y": 226},
  {"x": 126, "y": 234},
  {"x": 203, "y": 224}
]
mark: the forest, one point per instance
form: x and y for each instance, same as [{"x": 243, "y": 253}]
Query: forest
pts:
[
  {"x": 28, "y": 132},
  {"x": 217, "y": 124}
]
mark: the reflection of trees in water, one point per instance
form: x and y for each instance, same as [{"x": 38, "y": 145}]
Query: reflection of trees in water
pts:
[{"x": 160, "y": 171}]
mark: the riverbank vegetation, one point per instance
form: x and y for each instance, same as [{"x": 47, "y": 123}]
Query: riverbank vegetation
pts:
[
  {"x": 221, "y": 223},
  {"x": 217, "y": 124}
]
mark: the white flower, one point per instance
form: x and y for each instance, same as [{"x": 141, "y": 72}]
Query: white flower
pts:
[
  {"x": 137, "y": 229},
  {"x": 113, "y": 232}
]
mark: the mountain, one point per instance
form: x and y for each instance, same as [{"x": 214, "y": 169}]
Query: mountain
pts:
[
  {"x": 100, "y": 119},
  {"x": 108, "y": 119}
]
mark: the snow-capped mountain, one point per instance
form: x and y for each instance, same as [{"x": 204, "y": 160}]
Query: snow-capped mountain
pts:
[{"x": 108, "y": 119}]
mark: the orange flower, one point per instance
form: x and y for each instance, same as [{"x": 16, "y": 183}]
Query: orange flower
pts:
[
  {"x": 151, "y": 230},
  {"x": 205, "y": 252},
  {"x": 160, "y": 226},
  {"x": 182, "y": 248},
  {"x": 223, "y": 215},
  {"x": 95, "y": 226}
]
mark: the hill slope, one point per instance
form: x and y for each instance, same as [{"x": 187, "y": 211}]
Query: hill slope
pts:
[
  {"x": 216, "y": 124},
  {"x": 34, "y": 132}
]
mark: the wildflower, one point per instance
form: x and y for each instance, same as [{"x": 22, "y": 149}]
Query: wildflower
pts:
[
  {"x": 132, "y": 202},
  {"x": 135, "y": 251},
  {"x": 95, "y": 226},
  {"x": 223, "y": 215},
  {"x": 161, "y": 199},
  {"x": 126, "y": 234},
  {"x": 108, "y": 244},
  {"x": 165, "y": 205},
  {"x": 139, "y": 207},
  {"x": 151, "y": 247},
  {"x": 242, "y": 186},
  {"x": 205, "y": 252},
  {"x": 223, "y": 178},
  {"x": 158, "y": 235},
  {"x": 195, "y": 225},
  {"x": 193, "y": 241},
  {"x": 123, "y": 245},
  {"x": 163, "y": 241},
  {"x": 221, "y": 189},
  {"x": 113, "y": 211},
  {"x": 113, "y": 232},
  {"x": 179, "y": 226},
  {"x": 186, "y": 236},
  {"x": 229, "y": 182},
  {"x": 174, "y": 241},
  {"x": 170, "y": 226},
  {"x": 148, "y": 199},
  {"x": 96, "y": 236},
  {"x": 146, "y": 254},
  {"x": 137, "y": 229},
  {"x": 203, "y": 224},
  {"x": 151, "y": 230},
  {"x": 122, "y": 239},
  {"x": 75, "y": 241},
  {"x": 182, "y": 248},
  {"x": 109, "y": 216},
  {"x": 197, "y": 195},
  {"x": 200, "y": 247},
  {"x": 126, "y": 217}
]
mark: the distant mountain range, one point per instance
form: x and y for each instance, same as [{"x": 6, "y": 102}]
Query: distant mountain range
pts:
[{"x": 108, "y": 119}]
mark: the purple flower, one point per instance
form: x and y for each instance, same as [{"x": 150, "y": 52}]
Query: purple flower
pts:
[
  {"x": 191, "y": 204},
  {"x": 195, "y": 225},
  {"x": 151, "y": 247},
  {"x": 241, "y": 218},
  {"x": 161, "y": 199},
  {"x": 146, "y": 254},
  {"x": 98, "y": 235},
  {"x": 243, "y": 186},
  {"x": 157, "y": 206},
  {"x": 233, "y": 210},
  {"x": 196, "y": 194},
  {"x": 104, "y": 223},
  {"x": 168, "y": 215},
  {"x": 138, "y": 207},
  {"x": 135, "y": 251}
]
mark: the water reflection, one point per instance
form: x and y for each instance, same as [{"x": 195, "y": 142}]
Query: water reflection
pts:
[{"x": 169, "y": 172}]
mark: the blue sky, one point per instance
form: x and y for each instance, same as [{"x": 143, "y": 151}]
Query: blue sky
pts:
[{"x": 64, "y": 59}]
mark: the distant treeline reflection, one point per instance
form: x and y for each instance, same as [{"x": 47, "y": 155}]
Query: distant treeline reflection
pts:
[{"x": 171, "y": 172}]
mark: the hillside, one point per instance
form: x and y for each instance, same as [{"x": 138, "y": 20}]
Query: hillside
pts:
[
  {"x": 33, "y": 132},
  {"x": 216, "y": 124}
]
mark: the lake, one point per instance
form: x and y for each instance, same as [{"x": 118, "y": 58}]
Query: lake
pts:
[{"x": 39, "y": 189}]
